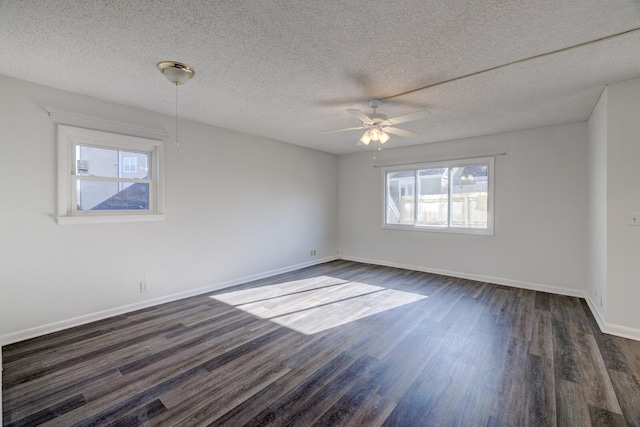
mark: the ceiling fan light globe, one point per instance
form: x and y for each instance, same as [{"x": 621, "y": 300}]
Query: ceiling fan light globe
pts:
[
  {"x": 366, "y": 138},
  {"x": 384, "y": 137},
  {"x": 375, "y": 134}
]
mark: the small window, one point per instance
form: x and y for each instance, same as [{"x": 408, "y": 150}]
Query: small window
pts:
[
  {"x": 453, "y": 196},
  {"x": 129, "y": 165},
  {"x": 107, "y": 177}
]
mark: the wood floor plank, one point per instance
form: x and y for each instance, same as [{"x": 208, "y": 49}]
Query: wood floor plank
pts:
[
  {"x": 571, "y": 408},
  {"x": 279, "y": 412},
  {"x": 595, "y": 382},
  {"x": 226, "y": 398},
  {"x": 451, "y": 403},
  {"x": 406, "y": 361},
  {"x": 141, "y": 415},
  {"x": 434, "y": 350},
  {"x": 626, "y": 388},
  {"x": 41, "y": 398},
  {"x": 511, "y": 405},
  {"x": 78, "y": 375},
  {"x": 102, "y": 412},
  {"x": 352, "y": 400},
  {"x": 540, "y": 395},
  {"x": 475, "y": 407},
  {"x": 157, "y": 327},
  {"x": 603, "y": 418},
  {"x": 424, "y": 393},
  {"x": 14, "y": 379},
  {"x": 50, "y": 412},
  {"x": 177, "y": 346},
  {"x": 39, "y": 345},
  {"x": 275, "y": 399},
  {"x": 565, "y": 354},
  {"x": 543, "y": 302},
  {"x": 309, "y": 411},
  {"x": 154, "y": 374},
  {"x": 372, "y": 413},
  {"x": 523, "y": 320},
  {"x": 261, "y": 358},
  {"x": 542, "y": 335}
]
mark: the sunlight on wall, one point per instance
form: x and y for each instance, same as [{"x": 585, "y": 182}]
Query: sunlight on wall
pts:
[{"x": 316, "y": 304}]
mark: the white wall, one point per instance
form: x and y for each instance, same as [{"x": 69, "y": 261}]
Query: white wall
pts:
[
  {"x": 623, "y": 197},
  {"x": 236, "y": 206},
  {"x": 597, "y": 211},
  {"x": 540, "y": 212}
]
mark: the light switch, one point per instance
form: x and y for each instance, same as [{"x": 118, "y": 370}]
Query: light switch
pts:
[{"x": 634, "y": 218}]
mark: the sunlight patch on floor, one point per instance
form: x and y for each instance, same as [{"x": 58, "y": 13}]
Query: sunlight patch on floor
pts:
[{"x": 316, "y": 304}]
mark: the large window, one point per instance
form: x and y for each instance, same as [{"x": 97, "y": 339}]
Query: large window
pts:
[
  {"x": 106, "y": 177},
  {"x": 445, "y": 196}
]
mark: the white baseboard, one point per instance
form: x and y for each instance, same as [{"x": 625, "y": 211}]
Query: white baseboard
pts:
[
  {"x": 610, "y": 328},
  {"x": 622, "y": 331},
  {"x": 597, "y": 314},
  {"x": 618, "y": 330},
  {"x": 88, "y": 318},
  {"x": 607, "y": 328},
  {"x": 480, "y": 278}
]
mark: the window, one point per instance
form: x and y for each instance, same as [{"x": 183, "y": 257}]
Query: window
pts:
[
  {"x": 446, "y": 196},
  {"x": 107, "y": 177},
  {"x": 129, "y": 164}
]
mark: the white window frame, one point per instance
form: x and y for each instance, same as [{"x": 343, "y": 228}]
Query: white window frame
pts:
[
  {"x": 484, "y": 161},
  {"x": 68, "y": 138}
]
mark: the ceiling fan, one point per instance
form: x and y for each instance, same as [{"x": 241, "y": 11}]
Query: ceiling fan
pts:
[{"x": 378, "y": 125}]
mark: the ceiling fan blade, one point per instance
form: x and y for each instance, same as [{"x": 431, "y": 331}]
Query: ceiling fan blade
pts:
[
  {"x": 400, "y": 132},
  {"x": 417, "y": 115},
  {"x": 342, "y": 130},
  {"x": 360, "y": 115}
]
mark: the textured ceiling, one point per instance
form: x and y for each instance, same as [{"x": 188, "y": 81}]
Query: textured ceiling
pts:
[{"x": 287, "y": 70}]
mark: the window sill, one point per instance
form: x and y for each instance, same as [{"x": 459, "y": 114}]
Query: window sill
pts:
[
  {"x": 101, "y": 219},
  {"x": 447, "y": 230}
]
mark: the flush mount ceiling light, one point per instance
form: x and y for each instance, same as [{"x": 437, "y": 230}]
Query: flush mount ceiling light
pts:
[{"x": 177, "y": 73}]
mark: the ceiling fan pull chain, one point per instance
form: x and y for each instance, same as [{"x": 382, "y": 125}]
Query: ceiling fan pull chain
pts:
[
  {"x": 177, "y": 143},
  {"x": 177, "y": 73}
]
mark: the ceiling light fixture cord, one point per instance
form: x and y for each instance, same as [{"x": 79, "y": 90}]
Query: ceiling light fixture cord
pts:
[{"x": 497, "y": 67}]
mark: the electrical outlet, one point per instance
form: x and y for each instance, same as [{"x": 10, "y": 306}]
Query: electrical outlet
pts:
[
  {"x": 312, "y": 252},
  {"x": 600, "y": 301},
  {"x": 144, "y": 286}
]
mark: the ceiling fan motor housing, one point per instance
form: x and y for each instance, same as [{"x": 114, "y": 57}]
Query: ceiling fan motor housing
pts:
[{"x": 377, "y": 118}]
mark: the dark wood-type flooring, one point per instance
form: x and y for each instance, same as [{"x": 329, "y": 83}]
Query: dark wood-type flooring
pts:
[{"x": 469, "y": 354}]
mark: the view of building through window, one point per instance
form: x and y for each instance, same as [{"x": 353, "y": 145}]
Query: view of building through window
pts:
[
  {"x": 110, "y": 179},
  {"x": 439, "y": 197}
]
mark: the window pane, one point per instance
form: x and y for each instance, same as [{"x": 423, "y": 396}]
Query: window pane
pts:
[
  {"x": 433, "y": 199},
  {"x": 101, "y": 195},
  {"x": 400, "y": 197},
  {"x": 130, "y": 164},
  {"x": 470, "y": 193},
  {"x": 110, "y": 163}
]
